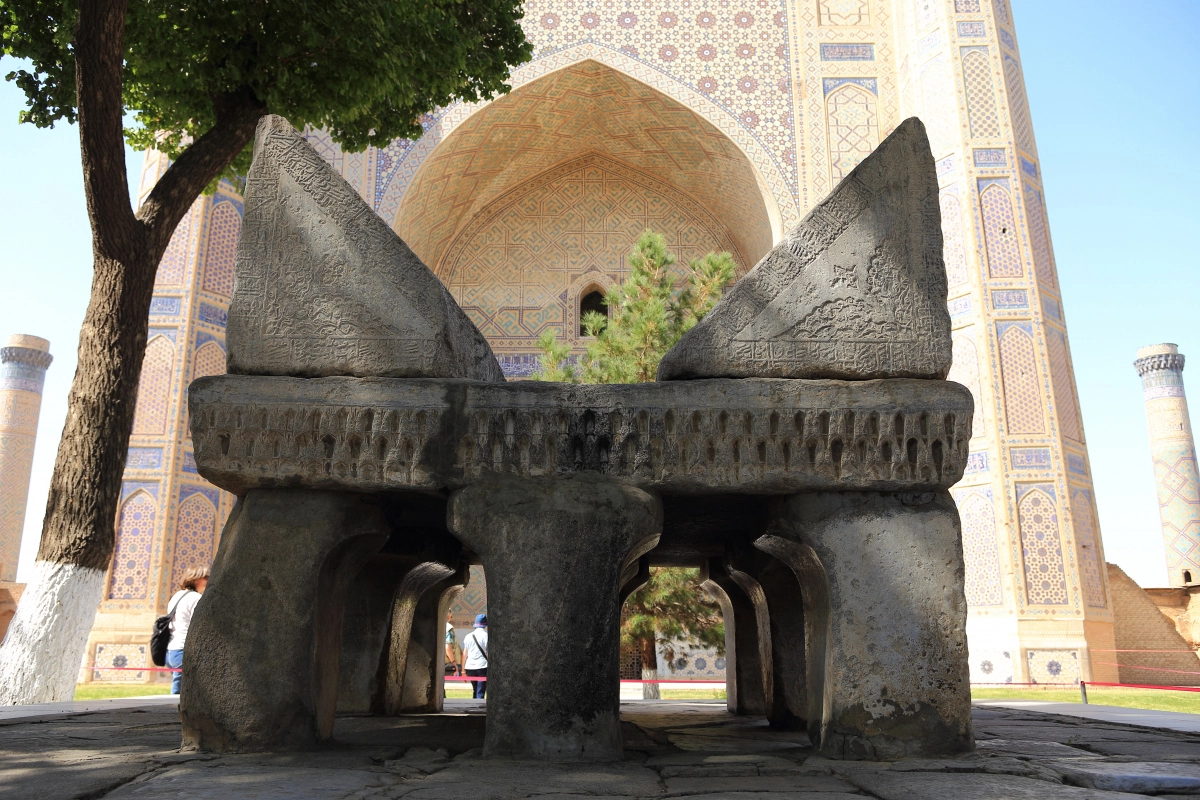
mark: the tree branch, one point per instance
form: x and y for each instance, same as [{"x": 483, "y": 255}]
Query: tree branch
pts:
[{"x": 237, "y": 117}]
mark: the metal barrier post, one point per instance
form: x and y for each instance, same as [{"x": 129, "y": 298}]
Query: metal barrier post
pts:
[{"x": 1083, "y": 691}]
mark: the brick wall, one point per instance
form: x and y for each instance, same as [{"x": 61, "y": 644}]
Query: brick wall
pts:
[{"x": 1140, "y": 625}]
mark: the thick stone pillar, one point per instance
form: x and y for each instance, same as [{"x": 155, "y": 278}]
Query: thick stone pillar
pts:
[
  {"x": 747, "y": 640},
  {"x": 1174, "y": 451},
  {"x": 554, "y": 551},
  {"x": 411, "y": 621},
  {"x": 782, "y": 609},
  {"x": 362, "y": 668},
  {"x": 261, "y": 666},
  {"x": 424, "y": 675},
  {"x": 895, "y": 681},
  {"x": 23, "y": 364}
]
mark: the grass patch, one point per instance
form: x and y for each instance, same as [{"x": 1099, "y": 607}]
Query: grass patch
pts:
[
  {"x": 94, "y": 691},
  {"x": 693, "y": 694},
  {"x": 459, "y": 690},
  {"x": 1153, "y": 699}
]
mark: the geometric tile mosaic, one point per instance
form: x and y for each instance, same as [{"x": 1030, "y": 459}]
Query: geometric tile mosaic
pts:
[
  {"x": 964, "y": 369},
  {"x": 134, "y": 545},
  {"x": 954, "y": 246},
  {"x": 981, "y": 550},
  {"x": 1091, "y": 562},
  {"x": 1018, "y": 368},
  {"x": 116, "y": 662},
  {"x": 999, "y": 229},
  {"x": 154, "y": 387},
  {"x": 224, "y": 226},
  {"x": 195, "y": 531},
  {"x": 1041, "y": 546},
  {"x": 1053, "y": 666},
  {"x": 1064, "y": 392},
  {"x": 981, "y": 98},
  {"x": 852, "y": 125}
]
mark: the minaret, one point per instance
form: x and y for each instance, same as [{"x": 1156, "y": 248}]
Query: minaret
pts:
[
  {"x": 1174, "y": 452},
  {"x": 23, "y": 366}
]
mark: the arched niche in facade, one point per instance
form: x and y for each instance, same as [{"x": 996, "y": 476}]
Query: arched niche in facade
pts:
[{"x": 542, "y": 192}]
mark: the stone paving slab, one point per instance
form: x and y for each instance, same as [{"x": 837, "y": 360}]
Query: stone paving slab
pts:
[
  {"x": 1149, "y": 718},
  {"x": 888, "y": 785},
  {"x": 672, "y": 750},
  {"x": 1137, "y": 776}
]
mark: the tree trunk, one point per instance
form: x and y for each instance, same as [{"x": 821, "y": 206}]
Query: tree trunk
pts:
[
  {"x": 42, "y": 652},
  {"x": 649, "y": 668}
]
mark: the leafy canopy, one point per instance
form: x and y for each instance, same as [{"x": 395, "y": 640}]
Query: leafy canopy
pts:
[
  {"x": 364, "y": 70},
  {"x": 648, "y": 314}
]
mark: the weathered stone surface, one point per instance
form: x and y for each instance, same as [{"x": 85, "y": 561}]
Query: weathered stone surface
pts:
[
  {"x": 748, "y": 674},
  {"x": 1140, "y": 777},
  {"x": 554, "y": 551},
  {"x": 857, "y": 290},
  {"x": 422, "y": 689},
  {"x": 261, "y": 667},
  {"x": 890, "y": 785},
  {"x": 883, "y": 581},
  {"x": 749, "y": 436},
  {"x": 324, "y": 287}
]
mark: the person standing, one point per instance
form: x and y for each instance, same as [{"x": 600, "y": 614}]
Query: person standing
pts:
[
  {"x": 475, "y": 656},
  {"x": 452, "y": 646},
  {"x": 182, "y": 605}
]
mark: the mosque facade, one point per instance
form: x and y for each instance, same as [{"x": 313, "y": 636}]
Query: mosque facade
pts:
[{"x": 717, "y": 123}]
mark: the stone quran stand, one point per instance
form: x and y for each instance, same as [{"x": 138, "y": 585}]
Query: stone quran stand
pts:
[{"x": 798, "y": 449}]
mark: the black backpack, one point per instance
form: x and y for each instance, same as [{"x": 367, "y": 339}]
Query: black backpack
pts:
[{"x": 161, "y": 636}]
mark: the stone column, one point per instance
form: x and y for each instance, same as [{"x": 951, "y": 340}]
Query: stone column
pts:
[
  {"x": 782, "y": 609},
  {"x": 261, "y": 667},
  {"x": 23, "y": 365},
  {"x": 405, "y": 619},
  {"x": 895, "y": 678},
  {"x": 1174, "y": 452},
  {"x": 425, "y": 661},
  {"x": 554, "y": 551},
  {"x": 366, "y": 625},
  {"x": 747, "y": 639}
]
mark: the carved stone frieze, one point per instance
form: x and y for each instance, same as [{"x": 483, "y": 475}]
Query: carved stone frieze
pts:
[{"x": 757, "y": 436}]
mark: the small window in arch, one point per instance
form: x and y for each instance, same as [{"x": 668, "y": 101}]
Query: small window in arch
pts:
[
  {"x": 593, "y": 300},
  {"x": 1187, "y": 576}
]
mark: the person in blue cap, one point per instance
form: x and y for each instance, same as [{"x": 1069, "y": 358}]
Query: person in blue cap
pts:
[{"x": 475, "y": 656}]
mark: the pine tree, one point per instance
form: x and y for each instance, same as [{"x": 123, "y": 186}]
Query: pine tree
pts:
[
  {"x": 670, "y": 608},
  {"x": 648, "y": 314}
]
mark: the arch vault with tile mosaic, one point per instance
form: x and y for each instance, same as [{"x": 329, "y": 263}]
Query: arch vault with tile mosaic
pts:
[{"x": 720, "y": 122}]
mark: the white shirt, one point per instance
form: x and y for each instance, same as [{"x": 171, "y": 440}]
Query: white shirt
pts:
[
  {"x": 474, "y": 648},
  {"x": 183, "y": 616}
]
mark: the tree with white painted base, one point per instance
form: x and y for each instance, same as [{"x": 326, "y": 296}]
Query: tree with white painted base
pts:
[{"x": 366, "y": 70}]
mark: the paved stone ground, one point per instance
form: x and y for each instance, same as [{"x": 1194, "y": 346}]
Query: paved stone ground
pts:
[{"x": 673, "y": 750}]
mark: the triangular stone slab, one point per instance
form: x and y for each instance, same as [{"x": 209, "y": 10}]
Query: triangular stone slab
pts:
[
  {"x": 324, "y": 287},
  {"x": 856, "y": 291}
]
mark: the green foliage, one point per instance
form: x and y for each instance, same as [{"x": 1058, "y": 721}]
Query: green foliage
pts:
[
  {"x": 670, "y": 608},
  {"x": 365, "y": 70},
  {"x": 648, "y": 313}
]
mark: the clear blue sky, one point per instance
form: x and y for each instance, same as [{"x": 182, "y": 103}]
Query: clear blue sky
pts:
[{"x": 1116, "y": 108}]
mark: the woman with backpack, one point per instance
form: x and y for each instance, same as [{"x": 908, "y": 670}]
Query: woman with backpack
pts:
[{"x": 180, "y": 609}]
